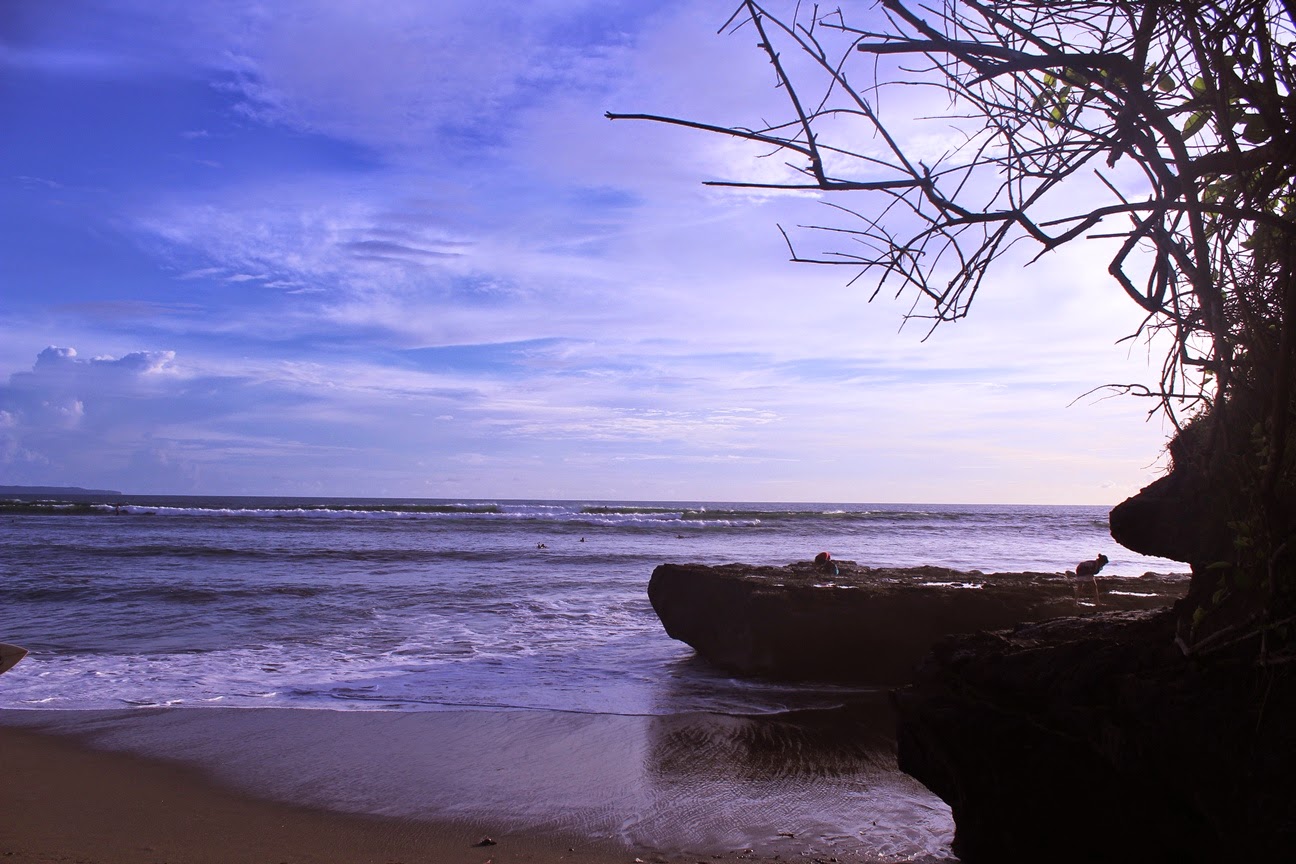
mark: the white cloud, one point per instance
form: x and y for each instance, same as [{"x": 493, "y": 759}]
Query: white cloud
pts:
[{"x": 404, "y": 74}]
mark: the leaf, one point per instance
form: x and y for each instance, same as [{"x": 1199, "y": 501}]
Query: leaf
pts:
[
  {"x": 1195, "y": 123},
  {"x": 1165, "y": 84},
  {"x": 1049, "y": 79},
  {"x": 1255, "y": 130},
  {"x": 1199, "y": 85}
]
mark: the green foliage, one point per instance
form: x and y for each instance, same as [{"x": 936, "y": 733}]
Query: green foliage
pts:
[{"x": 1195, "y": 123}]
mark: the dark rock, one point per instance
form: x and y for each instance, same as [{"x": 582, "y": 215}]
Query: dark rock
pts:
[
  {"x": 1173, "y": 518},
  {"x": 861, "y": 625},
  {"x": 1137, "y": 737},
  {"x": 1095, "y": 739},
  {"x": 1186, "y": 515}
]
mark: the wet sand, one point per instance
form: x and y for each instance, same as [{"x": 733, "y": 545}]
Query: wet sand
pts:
[
  {"x": 63, "y": 802},
  {"x": 198, "y": 785}
]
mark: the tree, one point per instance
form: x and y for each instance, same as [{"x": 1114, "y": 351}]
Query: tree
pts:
[{"x": 1183, "y": 114}]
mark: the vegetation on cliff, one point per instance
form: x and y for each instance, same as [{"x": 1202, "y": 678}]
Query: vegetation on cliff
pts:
[{"x": 1165, "y": 131}]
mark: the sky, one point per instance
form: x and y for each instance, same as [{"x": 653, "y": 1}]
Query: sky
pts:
[{"x": 344, "y": 248}]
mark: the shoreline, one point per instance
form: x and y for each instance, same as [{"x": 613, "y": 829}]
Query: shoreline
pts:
[{"x": 300, "y": 786}]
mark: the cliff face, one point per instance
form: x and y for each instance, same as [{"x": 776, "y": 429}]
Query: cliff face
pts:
[
  {"x": 1095, "y": 739},
  {"x": 860, "y": 625},
  {"x": 1146, "y": 738}
]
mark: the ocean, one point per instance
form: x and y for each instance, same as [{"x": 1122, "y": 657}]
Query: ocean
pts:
[
  {"x": 485, "y": 657},
  {"x": 427, "y": 605}
]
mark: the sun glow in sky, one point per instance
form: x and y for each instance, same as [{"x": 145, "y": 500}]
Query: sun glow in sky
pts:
[{"x": 337, "y": 247}]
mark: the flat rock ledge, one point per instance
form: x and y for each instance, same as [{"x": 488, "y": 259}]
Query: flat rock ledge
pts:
[{"x": 864, "y": 625}]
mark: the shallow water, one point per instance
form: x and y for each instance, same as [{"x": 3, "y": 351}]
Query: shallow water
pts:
[{"x": 814, "y": 784}]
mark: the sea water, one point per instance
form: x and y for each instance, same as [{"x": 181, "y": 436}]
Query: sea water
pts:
[
  {"x": 420, "y": 605},
  {"x": 491, "y": 661}
]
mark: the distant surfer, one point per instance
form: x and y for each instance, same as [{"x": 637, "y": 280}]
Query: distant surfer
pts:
[{"x": 1089, "y": 570}]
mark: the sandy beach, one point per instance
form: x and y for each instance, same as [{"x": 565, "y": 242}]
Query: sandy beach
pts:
[
  {"x": 199, "y": 785},
  {"x": 65, "y": 802}
]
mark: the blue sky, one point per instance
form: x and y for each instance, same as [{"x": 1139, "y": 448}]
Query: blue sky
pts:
[{"x": 334, "y": 247}]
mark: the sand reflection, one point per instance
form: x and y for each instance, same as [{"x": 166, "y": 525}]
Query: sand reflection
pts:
[{"x": 807, "y": 783}]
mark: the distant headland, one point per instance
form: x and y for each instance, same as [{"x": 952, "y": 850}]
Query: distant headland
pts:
[{"x": 54, "y": 490}]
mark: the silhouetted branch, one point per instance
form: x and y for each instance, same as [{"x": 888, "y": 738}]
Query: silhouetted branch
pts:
[{"x": 1040, "y": 90}]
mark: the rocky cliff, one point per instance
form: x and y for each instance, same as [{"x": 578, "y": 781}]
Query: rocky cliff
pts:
[
  {"x": 1096, "y": 739},
  {"x": 1153, "y": 737}
]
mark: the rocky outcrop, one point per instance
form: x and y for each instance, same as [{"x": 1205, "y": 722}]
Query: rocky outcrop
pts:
[
  {"x": 1148, "y": 737},
  {"x": 861, "y": 625},
  {"x": 1096, "y": 739},
  {"x": 1172, "y": 518}
]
